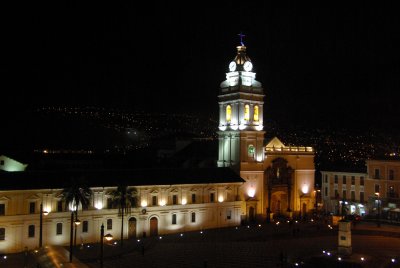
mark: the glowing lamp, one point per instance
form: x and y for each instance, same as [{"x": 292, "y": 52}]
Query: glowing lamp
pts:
[
  {"x": 98, "y": 205},
  {"x": 184, "y": 201},
  {"x": 304, "y": 189},
  {"x": 220, "y": 199},
  {"x": 77, "y": 222},
  {"x": 45, "y": 213},
  {"x": 222, "y": 128},
  {"x": 143, "y": 203},
  {"x": 234, "y": 127},
  {"x": 108, "y": 237},
  {"x": 259, "y": 128},
  {"x": 251, "y": 192},
  {"x": 241, "y": 127},
  {"x": 162, "y": 203}
]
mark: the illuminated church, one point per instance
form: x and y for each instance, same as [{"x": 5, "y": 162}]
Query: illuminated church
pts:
[
  {"x": 253, "y": 182},
  {"x": 279, "y": 178}
]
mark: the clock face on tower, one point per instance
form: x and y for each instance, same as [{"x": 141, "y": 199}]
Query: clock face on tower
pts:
[
  {"x": 248, "y": 66},
  {"x": 232, "y": 66}
]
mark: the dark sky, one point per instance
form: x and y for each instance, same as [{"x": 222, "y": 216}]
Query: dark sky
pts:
[{"x": 329, "y": 66}]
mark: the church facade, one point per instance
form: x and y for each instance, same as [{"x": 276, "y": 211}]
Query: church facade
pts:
[
  {"x": 279, "y": 178},
  {"x": 253, "y": 182}
]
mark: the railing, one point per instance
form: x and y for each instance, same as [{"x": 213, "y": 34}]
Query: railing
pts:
[{"x": 289, "y": 149}]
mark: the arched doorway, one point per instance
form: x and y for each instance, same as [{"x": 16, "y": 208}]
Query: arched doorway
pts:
[
  {"x": 132, "y": 228},
  {"x": 252, "y": 216},
  {"x": 304, "y": 210},
  {"x": 153, "y": 226}
]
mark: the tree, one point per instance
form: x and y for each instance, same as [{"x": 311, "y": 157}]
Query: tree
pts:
[
  {"x": 76, "y": 194},
  {"x": 124, "y": 198}
]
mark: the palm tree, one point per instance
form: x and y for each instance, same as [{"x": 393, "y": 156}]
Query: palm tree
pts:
[
  {"x": 125, "y": 198},
  {"x": 74, "y": 195}
]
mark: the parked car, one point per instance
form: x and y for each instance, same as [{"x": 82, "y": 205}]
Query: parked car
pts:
[{"x": 353, "y": 217}]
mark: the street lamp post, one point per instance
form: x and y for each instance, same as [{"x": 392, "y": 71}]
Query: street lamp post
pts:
[
  {"x": 77, "y": 222},
  {"x": 41, "y": 226},
  {"x": 71, "y": 237},
  {"x": 378, "y": 223},
  {"x": 108, "y": 237}
]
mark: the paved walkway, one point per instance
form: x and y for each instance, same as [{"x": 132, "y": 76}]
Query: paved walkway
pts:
[{"x": 245, "y": 246}]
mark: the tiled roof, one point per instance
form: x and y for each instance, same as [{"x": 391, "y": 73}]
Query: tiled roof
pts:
[{"x": 102, "y": 178}]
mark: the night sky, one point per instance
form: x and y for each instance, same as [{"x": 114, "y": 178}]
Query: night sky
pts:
[{"x": 338, "y": 66}]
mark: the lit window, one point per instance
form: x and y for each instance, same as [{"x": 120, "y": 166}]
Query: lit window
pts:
[
  {"x": 228, "y": 214},
  {"x": 59, "y": 228},
  {"x": 2, "y": 209},
  {"x": 193, "y": 217},
  {"x": 32, "y": 207},
  {"x": 251, "y": 150},
  {"x": 85, "y": 226},
  {"x": 2, "y": 233},
  {"x": 255, "y": 117},
  {"x": 246, "y": 112},
  {"x": 228, "y": 113},
  {"x": 212, "y": 197},
  {"x": 31, "y": 231},
  {"x": 154, "y": 200}
]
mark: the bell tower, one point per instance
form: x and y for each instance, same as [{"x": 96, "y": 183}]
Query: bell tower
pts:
[{"x": 240, "y": 100}]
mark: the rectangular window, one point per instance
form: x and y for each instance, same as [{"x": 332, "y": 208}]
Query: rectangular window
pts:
[
  {"x": 212, "y": 197},
  {"x": 344, "y": 194},
  {"x": 174, "y": 199},
  {"x": 32, "y": 207},
  {"x": 193, "y": 198},
  {"x": 362, "y": 181},
  {"x": 2, "y": 233},
  {"x": 2, "y": 209},
  {"x": 391, "y": 174},
  {"x": 31, "y": 231},
  {"x": 60, "y": 206},
  {"x": 353, "y": 180},
  {"x": 353, "y": 196},
  {"x": 376, "y": 188},
  {"x": 336, "y": 193},
  {"x": 154, "y": 200},
  {"x": 326, "y": 191},
  {"x": 336, "y": 179},
  {"x": 377, "y": 174},
  {"x": 109, "y": 203},
  {"x": 85, "y": 226},
  {"x": 344, "y": 180},
  {"x": 228, "y": 214},
  {"x": 361, "y": 197},
  {"x": 59, "y": 229},
  {"x": 173, "y": 218},
  {"x": 109, "y": 224},
  {"x": 193, "y": 217},
  {"x": 326, "y": 178}
]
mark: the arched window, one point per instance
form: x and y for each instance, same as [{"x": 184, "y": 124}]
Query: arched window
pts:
[
  {"x": 109, "y": 224},
  {"x": 251, "y": 150},
  {"x": 228, "y": 113},
  {"x": 255, "y": 117},
  {"x": 246, "y": 112}
]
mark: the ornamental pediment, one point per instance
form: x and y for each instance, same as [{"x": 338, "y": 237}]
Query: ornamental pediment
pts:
[{"x": 33, "y": 197}]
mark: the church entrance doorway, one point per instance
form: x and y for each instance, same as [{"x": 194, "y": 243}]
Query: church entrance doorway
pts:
[
  {"x": 252, "y": 216},
  {"x": 132, "y": 228},
  {"x": 153, "y": 226}
]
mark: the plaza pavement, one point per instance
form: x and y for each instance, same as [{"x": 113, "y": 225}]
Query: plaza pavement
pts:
[{"x": 266, "y": 245}]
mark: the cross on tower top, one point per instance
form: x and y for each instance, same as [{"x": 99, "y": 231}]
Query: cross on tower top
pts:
[{"x": 241, "y": 38}]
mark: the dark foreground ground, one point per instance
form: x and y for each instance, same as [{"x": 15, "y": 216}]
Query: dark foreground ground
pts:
[{"x": 283, "y": 245}]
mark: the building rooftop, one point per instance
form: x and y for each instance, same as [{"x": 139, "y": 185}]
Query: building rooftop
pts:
[{"x": 59, "y": 179}]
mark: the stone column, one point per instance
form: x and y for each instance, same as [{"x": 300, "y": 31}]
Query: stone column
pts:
[{"x": 344, "y": 238}]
